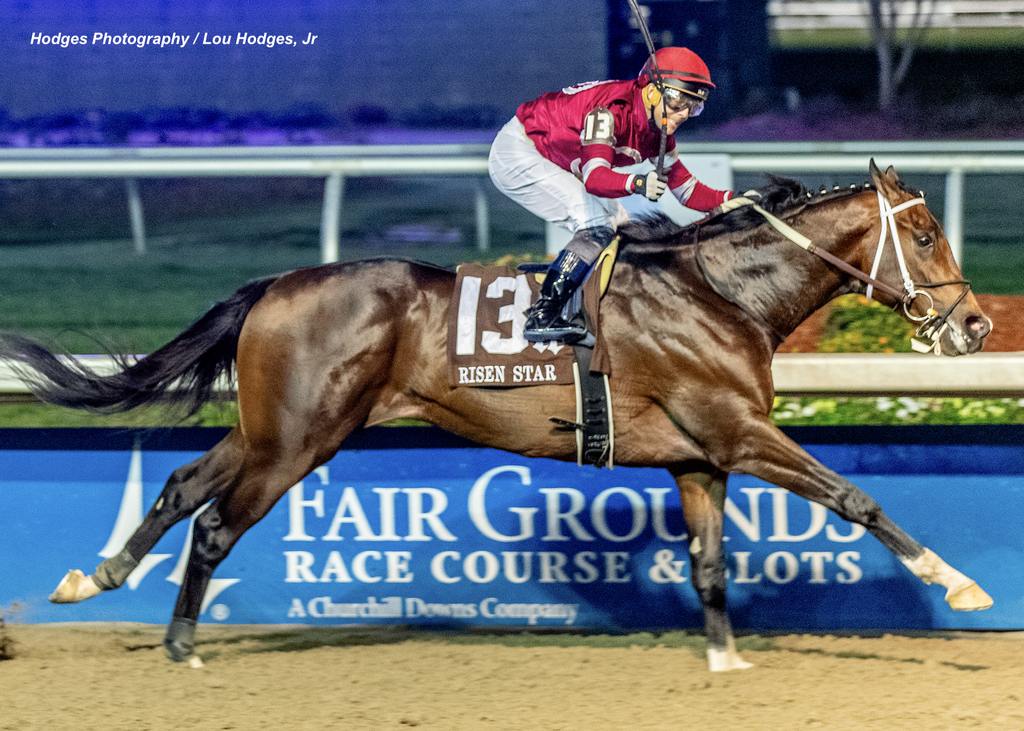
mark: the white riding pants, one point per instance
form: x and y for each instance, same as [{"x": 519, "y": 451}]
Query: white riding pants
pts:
[{"x": 519, "y": 171}]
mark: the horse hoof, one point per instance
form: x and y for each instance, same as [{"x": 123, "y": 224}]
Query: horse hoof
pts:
[
  {"x": 193, "y": 662},
  {"x": 971, "y": 598},
  {"x": 178, "y": 651},
  {"x": 722, "y": 661},
  {"x": 74, "y": 587}
]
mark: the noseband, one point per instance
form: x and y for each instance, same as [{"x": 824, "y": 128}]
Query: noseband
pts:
[{"x": 932, "y": 324}]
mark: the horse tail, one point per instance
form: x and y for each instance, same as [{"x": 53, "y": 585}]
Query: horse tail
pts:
[{"x": 184, "y": 371}]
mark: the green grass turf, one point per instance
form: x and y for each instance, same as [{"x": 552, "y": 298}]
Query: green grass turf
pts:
[
  {"x": 937, "y": 38},
  {"x": 896, "y": 411},
  {"x": 75, "y": 290},
  {"x": 31, "y": 415},
  {"x": 84, "y": 295},
  {"x": 789, "y": 411},
  {"x": 72, "y": 291}
]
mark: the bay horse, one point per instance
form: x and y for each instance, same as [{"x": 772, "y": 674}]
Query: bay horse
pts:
[{"x": 691, "y": 320}]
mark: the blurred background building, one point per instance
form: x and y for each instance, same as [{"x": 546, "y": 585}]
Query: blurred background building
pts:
[
  {"x": 136, "y": 258},
  {"x": 466, "y": 64}
]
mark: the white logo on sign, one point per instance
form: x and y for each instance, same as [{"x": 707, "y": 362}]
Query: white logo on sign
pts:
[{"x": 129, "y": 517}]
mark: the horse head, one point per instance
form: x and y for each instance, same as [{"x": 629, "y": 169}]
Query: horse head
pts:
[
  {"x": 879, "y": 239},
  {"x": 907, "y": 246}
]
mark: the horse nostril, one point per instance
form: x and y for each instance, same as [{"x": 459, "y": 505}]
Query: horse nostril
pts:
[{"x": 978, "y": 327}]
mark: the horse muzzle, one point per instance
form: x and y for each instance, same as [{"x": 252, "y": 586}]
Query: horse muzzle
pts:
[{"x": 965, "y": 337}]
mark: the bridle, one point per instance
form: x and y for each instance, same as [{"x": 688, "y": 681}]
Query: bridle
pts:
[{"x": 932, "y": 324}]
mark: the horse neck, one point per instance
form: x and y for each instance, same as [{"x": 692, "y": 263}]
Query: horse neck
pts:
[{"x": 777, "y": 282}]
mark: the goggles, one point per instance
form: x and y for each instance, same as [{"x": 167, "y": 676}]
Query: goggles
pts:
[{"x": 677, "y": 100}]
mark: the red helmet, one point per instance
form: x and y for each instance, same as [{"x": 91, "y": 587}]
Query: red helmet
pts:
[{"x": 680, "y": 68}]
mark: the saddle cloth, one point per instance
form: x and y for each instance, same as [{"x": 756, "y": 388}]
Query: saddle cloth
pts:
[
  {"x": 486, "y": 320},
  {"x": 486, "y": 347}
]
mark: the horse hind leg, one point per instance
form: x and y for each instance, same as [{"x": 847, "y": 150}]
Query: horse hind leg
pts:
[
  {"x": 186, "y": 490},
  {"x": 216, "y": 531},
  {"x": 702, "y": 491},
  {"x": 289, "y": 428},
  {"x": 276, "y": 456}
]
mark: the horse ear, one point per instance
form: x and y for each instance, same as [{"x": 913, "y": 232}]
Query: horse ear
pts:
[
  {"x": 885, "y": 182},
  {"x": 875, "y": 173}
]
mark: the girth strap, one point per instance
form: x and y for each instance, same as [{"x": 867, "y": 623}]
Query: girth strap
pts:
[{"x": 594, "y": 425}]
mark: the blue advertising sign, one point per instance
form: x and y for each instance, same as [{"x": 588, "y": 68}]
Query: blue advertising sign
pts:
[{"x": 412, "y": 526}]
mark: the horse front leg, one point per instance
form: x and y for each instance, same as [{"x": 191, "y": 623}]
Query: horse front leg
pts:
[
  {"x": 185, "y": 491},
  {"x": 702, "y": 490},
  {"x": 765, "y": 452}
]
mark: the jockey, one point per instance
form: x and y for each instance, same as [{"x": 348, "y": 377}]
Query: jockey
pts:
[{"x": 556, "y": 156}]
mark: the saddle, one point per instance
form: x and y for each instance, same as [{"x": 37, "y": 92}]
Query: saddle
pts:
[{"x": 486, "y": 347}]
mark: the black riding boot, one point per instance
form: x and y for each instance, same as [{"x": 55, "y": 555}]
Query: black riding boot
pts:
[{"x": 544, "y": 319}]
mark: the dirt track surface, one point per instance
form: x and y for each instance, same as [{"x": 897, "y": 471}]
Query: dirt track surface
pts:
[{"x": 115, "y": 677}]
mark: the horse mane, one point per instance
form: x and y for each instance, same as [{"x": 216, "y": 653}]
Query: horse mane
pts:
[{"x": 782, "y": 197}]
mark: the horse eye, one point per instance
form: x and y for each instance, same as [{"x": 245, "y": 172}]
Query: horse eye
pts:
[{"x": 925, "y": 240}]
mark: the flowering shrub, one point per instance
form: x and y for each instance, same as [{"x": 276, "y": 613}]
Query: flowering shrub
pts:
[
  {"x": 905, "y": 410},
  {"x": 858, "y": 325}
]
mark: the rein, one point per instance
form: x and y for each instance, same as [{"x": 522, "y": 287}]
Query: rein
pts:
[{"x": 932, "y": 324}]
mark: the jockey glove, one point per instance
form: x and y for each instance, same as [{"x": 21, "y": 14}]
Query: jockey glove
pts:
[{"x": 649, "y": 185}]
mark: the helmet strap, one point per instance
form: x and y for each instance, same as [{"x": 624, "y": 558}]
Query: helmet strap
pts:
[{"x": 653, "y": 98}]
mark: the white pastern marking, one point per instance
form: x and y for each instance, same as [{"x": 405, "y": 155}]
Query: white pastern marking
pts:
[
  {"x": 929, "y": 568},
  {"x": 721, "y": 661}
]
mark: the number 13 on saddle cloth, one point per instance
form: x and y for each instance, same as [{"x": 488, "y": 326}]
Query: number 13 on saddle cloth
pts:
[{"x": 486, "y": 320}]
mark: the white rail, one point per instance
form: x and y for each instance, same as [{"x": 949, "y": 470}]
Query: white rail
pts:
[
  {"x": 983, "y": 374},
  {"x": 990, "y": 374},
  {"x": 337, "y": 162},
  {"x": 833, "y": 14}
]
